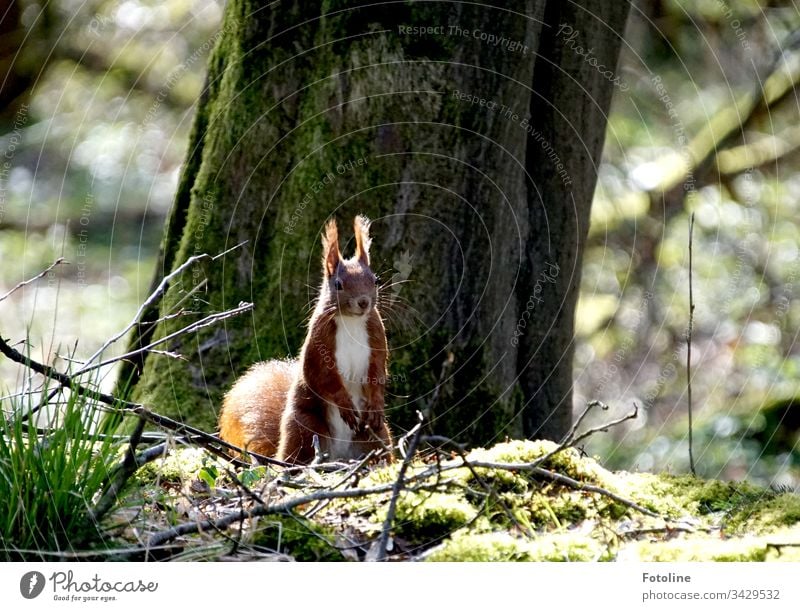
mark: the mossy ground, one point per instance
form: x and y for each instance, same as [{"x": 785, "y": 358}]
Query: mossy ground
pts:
[{"x": 488, "y": 514}]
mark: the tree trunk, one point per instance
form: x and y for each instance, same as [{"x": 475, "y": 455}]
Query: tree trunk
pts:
[{"x": 411, "y": 114}]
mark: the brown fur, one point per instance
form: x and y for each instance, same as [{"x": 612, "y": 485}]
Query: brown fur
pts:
[
  {"x": 251, "y": 411},
  {"x": 277, "y": 407}
]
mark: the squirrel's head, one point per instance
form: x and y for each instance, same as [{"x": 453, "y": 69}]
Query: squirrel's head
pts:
[{"x": 349, "y": 285}]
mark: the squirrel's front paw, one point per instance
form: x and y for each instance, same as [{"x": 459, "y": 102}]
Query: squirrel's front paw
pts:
[
  {"x": 373, "y": 419},
  {"x": 349, "y": 416}
]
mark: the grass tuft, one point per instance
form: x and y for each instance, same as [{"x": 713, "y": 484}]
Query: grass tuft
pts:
[{"x": 51, "y": 475}]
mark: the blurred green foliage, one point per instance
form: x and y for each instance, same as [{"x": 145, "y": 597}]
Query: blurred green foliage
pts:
[
  {"x": 93, "y": 152},
  {"x": 691, "y": 66}
]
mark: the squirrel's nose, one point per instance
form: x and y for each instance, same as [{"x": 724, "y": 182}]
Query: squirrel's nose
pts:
[{"x": 363, "y": 302}]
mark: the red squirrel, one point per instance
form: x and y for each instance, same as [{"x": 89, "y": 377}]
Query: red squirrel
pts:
[{"x": 335, "y": 390}]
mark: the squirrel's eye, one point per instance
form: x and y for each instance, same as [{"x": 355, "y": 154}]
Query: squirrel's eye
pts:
[{"x": 338, "y": 284}]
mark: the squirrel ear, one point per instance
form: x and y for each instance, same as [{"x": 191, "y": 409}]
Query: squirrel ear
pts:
[
  {"x": 363, "y": 241},
  {"x": 330, "y": 248}
]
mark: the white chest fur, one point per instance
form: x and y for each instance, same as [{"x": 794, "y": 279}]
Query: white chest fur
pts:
[{"x": 352, "y": 361}]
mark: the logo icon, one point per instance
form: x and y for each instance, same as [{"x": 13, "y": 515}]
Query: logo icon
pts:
[
  {"x": 31, "y": 584},
  {"x": 403, "y": 267}
]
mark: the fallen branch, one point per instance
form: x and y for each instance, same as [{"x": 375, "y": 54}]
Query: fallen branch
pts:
[
  {"x": 532, "y": 467},
  {"x": 165, "y": 536},
  {"x": 383, "y": 540}
]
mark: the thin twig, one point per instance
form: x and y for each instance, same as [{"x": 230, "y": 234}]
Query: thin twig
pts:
[
  {"x": 563, "y": 479},
  {"x": 488, "y": 490},
  {"x": 198, "y": 324},
  {"x": 155, "y": 295},
  {"x": 383, "y": 541},
  {"x": 126, "y": 407},
  {"x": 571, "y": 440},
  {"x": 41, "y": 274},
  {"x": 165, "y": 536},
  {"x": 689, "y": 348}
]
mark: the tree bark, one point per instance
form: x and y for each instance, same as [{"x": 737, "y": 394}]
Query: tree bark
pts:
[
  {"x": 411, "y": 114},
  {"x": 569, "y": 109}
]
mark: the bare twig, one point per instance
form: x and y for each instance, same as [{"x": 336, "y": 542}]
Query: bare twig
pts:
[
  {"x": 261, "y": 510},
  {"x": 383, "y": 540},
  {"x": 561, "y": 479},
  {"x": 689, "y": 349},
  {"x": 41, "y": 274},
  {"x": 198, "y": 324},
  {"x": 126, "y": 407},
  {"x": 571, "y": 439},
  {"x": 488, "y": 490},
  {"x": 155, "y": 295},
  {"x": 668, "y": 529}
]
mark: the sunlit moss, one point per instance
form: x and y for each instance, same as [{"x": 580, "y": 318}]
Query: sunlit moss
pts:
[
  {"x": 294, "y": 536},
  {"x": 710, "y": 549},
  {"x": 180, "y": 465},
  {"x": 504, "y": 515},
  {"x": 766, "y": 513},
  {"x": 504, "y": 547},
  {"x": 424, "y": 517}
]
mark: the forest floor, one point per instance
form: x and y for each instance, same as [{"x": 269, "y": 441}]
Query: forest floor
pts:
[{"x": 499, "y": 504}]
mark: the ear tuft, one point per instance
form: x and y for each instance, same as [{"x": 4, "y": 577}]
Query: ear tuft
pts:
[
  {"x": 330, "y": 248},
  {"x": 363, "y": 241}
]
